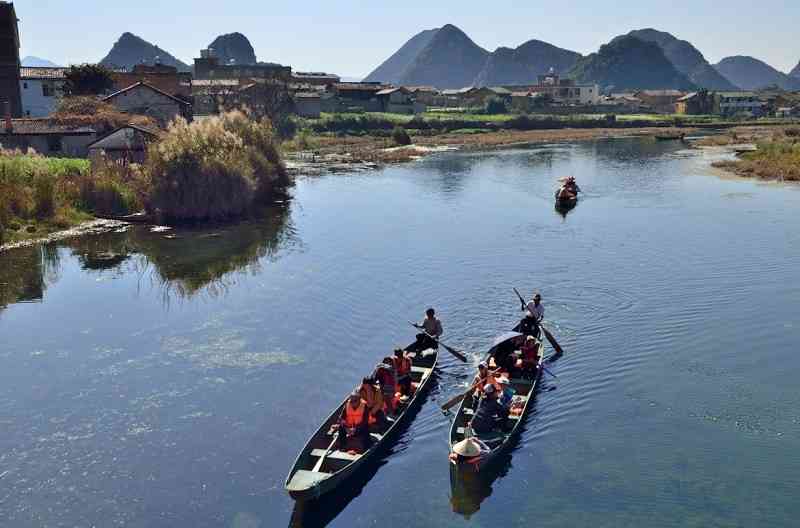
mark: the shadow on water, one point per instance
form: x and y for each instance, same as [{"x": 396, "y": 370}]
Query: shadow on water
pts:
[{"x": 318, "y": 513}]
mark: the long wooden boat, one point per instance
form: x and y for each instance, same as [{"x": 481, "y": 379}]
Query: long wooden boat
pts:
[
  {"x": 320, "y": 467},
  {"x": 500, "y": 440},
  {"x": 669, "y": 137}
]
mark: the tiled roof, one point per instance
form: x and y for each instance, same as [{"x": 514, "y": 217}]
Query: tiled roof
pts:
[
  {"x": 307, "y": 95},
  {"x": 42, "y": 73},
  {"x": 143, "y": 84},
  {"x": 661, "y": 93},
  {"x": 389, "y": 91},
  {"x": 687, "y": 97},
  {"x": 360, "y": 86},
  {"x": 44, "y": 126},
  {"x": 215, "y": 82}
]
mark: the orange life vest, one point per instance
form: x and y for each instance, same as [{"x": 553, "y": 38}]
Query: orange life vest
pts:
[
  {"x": 402, "y": 366},
  {"x": 354, "y": 417}
]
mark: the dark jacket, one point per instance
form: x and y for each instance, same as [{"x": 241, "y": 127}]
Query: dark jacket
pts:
[{"x": 489, "y": 411}]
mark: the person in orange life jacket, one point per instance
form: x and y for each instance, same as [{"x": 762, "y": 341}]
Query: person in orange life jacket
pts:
[
  {"x": 433, "y": 331},
  {"x": 402, "y": 367},
  {"x": 373, "y": 397},
  {"x": 529, "y": 355},
  {"x": 482, "y": 378},
  {"x": 387, "y": 377},
  {"x": 353, "y": 424}
]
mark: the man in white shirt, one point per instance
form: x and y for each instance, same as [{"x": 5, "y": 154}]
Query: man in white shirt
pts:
[
  {"x": 534, "y": 313},
  {"x": 433, "y": 331}
]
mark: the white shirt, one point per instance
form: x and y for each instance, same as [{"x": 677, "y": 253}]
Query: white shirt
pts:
[
  {"x": 432, "y": 326},
  {"x": 536, "y": 311}
]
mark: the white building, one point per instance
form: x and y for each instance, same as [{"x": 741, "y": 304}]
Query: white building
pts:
[{"x": 41, "y": 88}]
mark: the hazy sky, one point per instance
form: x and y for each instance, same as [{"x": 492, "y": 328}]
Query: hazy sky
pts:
[{"x": 351, "y": 37}]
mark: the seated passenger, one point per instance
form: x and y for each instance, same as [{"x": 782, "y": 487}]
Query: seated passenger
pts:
[
  {"x": 483, "y": 377},
  {"x": 507, "y": 393},
  {"x": 402, "y": 368},
  {"x": 386, "y": 376},
  {"x": 529, "y": 355},
  {"x": 489, "y": 414},
  {"x": 469, "y": 451},
  {"x": 353, "y": 425},
  {"x": 373, "y": 397}
]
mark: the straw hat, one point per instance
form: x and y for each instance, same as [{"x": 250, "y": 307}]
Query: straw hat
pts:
[{"x": 467, "y": 448}]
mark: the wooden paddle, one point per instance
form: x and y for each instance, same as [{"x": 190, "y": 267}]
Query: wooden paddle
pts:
[
  {"x": 452, "y": 350},
  {"x": 456, "y": 399},
  {"x": 321, "y": 460},
  {"x": 547, "y": 334}
]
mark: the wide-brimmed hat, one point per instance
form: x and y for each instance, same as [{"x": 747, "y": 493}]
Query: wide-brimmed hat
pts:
[{"x": 467, "y": 448}]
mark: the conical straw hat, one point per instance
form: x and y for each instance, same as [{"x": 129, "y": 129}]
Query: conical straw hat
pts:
[{"x": 467, "y": 448}]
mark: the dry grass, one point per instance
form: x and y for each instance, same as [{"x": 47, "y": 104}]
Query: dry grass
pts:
[
  {"x": 90, "y": 111},
  {"x": 213, "y": 169},
  {"x": 774, "y": 160}
]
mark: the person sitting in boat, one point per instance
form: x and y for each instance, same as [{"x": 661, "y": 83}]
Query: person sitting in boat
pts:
[
  {"x": 354, "y": 425},
  {"x": 482, "y": 378},
  {"x": 506, "y": 393},
  {"x": 373, "y": 397},
  {"x": 572, "y": 185},
  {"x": 433, "y": 330},
  {"x": 490, "y": 414},
  {"x": 402, "y": 367},
  {"x": 470, "y": 450},
  {"x": 386, "y": 376},
  {"x": 529, "y": 355}
]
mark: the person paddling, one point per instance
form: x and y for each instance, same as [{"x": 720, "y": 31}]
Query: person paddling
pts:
[
  {"x": 433, "y": 331},
  {"x": 534, "y": 313}
]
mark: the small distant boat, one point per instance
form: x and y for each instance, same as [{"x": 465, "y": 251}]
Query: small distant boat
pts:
[
  {"x": 502, "y": 439},
  {"x": 670, "y": 137},
  {"x": 321, "y": 468}
]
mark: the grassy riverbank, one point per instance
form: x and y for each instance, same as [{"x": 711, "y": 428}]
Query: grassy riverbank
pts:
[
  {"x": 776, "y": 153},
  {"x": 210, "y": 170}
]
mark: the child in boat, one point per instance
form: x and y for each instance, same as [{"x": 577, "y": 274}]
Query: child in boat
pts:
[
  {"x": 373, "y": 397},
  {"x": 353, "y": 434},
  {"x": 402, "y": 367},
  {"x": 387, "y": 377}
]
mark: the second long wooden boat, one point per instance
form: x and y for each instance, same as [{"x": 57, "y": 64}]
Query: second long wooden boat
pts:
[
  {"x": 500, "y": 440},
  {"x": 321, "y": 467}
]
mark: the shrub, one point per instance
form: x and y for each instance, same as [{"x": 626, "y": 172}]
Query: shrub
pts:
[
  {"x": 792, "y": 132},
  {"x": 44, "y": 194},
  {"x": 400, "y": 136},
  {"x": 495, "y": 105},
  {"x": 213, "y": 169}
]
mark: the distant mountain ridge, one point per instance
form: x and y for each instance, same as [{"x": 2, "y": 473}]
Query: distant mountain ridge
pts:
[
  {"x": 447, "y": 58},
  {"x": 37, "y": 62},
  {"x": 234, "y": 47},
  {"x": 524, "y": 64},
  {"x": 131, "y": 50},
  {"x": 392, "y": 69},
  {"x": 629, "y": 63},
  {"x": 750, "y": 73},
  {"x": 795, "y": 72},
  {"x": 686, "y": 58}
]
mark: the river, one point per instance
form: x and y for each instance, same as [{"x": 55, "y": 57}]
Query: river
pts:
[{"x": 169, "y": 379}]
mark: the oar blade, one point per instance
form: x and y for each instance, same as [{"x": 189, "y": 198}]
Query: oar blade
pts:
[
  {"x": 455, "y": 352},
  {"x": 552, "y": 340}
]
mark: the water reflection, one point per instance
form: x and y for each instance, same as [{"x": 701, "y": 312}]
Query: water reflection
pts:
[
  {"x": 183, "y": 262},
  {"x": 187, "y": 262},
  {"x": 25, "y": 274}
]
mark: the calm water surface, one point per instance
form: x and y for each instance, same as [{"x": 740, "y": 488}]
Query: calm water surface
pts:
[{"x": 148, "y": 382}]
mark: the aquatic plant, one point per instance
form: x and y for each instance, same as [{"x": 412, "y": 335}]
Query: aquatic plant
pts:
[{"x": 217, "y": 168}]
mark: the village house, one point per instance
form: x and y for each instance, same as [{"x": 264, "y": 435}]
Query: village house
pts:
[
  {"x": 207, "y": 66},
  {"x": 526, "y": 102},
  {"x": 41, "y": 89},
  {"x": 399, "y": 101},
  {"x": 308, "y": 104},
  {"x": 473, "y": 96},
  {"x": 788, "y": 112},
  {"x": 47, "y": 138},
  {"x": 427, "y": 95},
  {"x": 209, "y": 96},
  {"x": 562, "y": 91},
  {"x": 660, "y": 101},
  {"x": 309, "y": 79},
  {"x": 123, "y": 146},
  {"x": 9, "y": 59},
  {"x": 729, "y": 104},
  {"x": 144, "y": 99},
  {"x": 166, "y": 78},
  {"x": 695, "y": 103},
  {"x": 350, "y": 97}
]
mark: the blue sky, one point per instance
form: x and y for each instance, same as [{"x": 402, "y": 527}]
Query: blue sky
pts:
[{"x": 351, "y": 37}]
